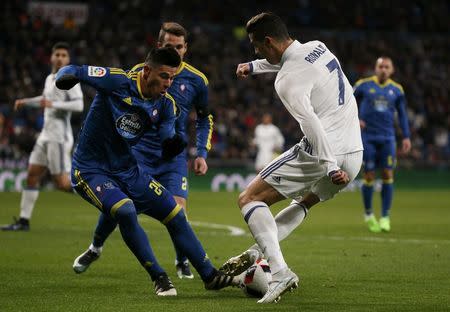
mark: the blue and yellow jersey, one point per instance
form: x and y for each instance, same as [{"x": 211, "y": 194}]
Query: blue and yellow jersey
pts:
[
  {"x": 189, "y": 90},
  {"x": 377, "y": 106},
  {"x": 118, "y": 117}
]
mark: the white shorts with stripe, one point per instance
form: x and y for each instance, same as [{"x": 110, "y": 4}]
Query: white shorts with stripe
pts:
[
  {"x": 296, "y": 173},
  {"x": 55, "y": 156}
]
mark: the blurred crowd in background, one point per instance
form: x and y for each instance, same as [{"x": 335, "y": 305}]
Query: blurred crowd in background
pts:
[{"x": 120, "y": 33}]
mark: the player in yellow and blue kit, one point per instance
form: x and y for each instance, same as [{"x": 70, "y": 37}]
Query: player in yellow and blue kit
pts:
[
  {"x": 190, "y": 91},
  {"x": 105, "y": 173},
  {"x": 379, "y": 98}
]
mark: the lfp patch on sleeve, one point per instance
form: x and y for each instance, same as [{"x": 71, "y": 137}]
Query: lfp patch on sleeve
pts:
[{"x": 95, "y": 71}]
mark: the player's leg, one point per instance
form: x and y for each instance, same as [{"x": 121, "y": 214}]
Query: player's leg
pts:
[
  {"x": 58, "y": 155},
  {"x": 387, "y": 187},
  {"x": 154, "y": 200},
  {"x": 254, "y": 203},
  {"x": 105, "y": 194},
  {"x": 276, "y": 182},
  {"x": 370, "y": 159},
  {"x": 289, "y": 218},
  {"x": 36, "y": 170},
  {"x": 175, "y": 181},
  {"x": 105, "y": 226}
]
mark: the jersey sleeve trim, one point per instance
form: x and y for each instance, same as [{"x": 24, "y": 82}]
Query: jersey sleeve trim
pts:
[
  {"x": 195, "y": 71},
  {"x": 210, "y": 132},
  {"x": 167, "y": 95}
]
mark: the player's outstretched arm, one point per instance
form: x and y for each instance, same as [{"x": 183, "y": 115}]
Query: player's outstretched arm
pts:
[
  {"x": 101, "y": 78},
  {"x": 31, "y": 102},
  {"x": 67, "y": 77},
  {"x": 255, "y": 67}
]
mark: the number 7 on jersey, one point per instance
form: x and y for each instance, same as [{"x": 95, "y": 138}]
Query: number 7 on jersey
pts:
[{"x": 332, "y": 65}]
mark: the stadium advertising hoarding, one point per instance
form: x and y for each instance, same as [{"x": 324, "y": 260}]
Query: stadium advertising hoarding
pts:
[
  {"x": 236, "y": 179},
  {"x": 58, "y": 12}
]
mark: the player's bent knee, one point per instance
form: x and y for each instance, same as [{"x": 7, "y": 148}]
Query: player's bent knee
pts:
[
  {"x": 180, "y": 201},
  {"x": 369, "y": 176},
  {"x": 33, "y": 181},
  {"x": 387, "y": 174},
  {"x": 243, "y": 199},
  {"x": 178, "y": 221},
  {"x": 125, "y": 212}
]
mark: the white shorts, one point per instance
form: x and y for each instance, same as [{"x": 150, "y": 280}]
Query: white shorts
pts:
[
  {"x": 53, "y": 155},
  {"x": 296, "y": 173}
]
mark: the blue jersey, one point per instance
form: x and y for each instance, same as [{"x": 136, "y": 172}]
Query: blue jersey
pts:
[
  {"x": 377, "y": 106},
  {"x": 190, "y": 90},
  {"x": 118, "y": 117}
]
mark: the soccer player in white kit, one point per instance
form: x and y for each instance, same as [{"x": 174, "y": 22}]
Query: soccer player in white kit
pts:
[
  {"x": 269, "y": 140},
  {"x": 52, "y": 150},
  {"x": 313, "y": 88}
]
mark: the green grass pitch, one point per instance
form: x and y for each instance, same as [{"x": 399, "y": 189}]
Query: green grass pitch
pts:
[{"x": 342, "y": 266}]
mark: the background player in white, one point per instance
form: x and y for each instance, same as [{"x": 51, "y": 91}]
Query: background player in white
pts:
[
  {"x": 313, "y": 88},
  {"x": 52, "y": 150},
  {"x": 268, "y": 140}
]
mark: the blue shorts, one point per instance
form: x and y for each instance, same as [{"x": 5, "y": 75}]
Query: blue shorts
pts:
[
  {"x": 172, "y": 174},
  {"x": 110, "y": 191},
  {"x": 379, "y": 154}
]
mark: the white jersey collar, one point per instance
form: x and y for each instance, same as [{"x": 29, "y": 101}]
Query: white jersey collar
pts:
[{"x": 289, "y": 51}]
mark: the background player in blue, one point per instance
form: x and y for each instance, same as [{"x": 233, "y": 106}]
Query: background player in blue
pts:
[
  {"x": 379, "y": 97},
  {"x": 105, "y": 172},
  {"x": 190, "y": 90}
]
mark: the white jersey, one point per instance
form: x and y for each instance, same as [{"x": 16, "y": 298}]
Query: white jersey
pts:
[
  {"x": 313, "y": 88},
  {"x": 268, "y": 139},
  {"x": 57, "y": 126}
]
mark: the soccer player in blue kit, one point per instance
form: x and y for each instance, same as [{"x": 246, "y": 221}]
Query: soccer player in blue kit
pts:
[
  {"x": 379, "y": 97},
  {"x": 105, "y": 173},
  {"x": 190, "y": 90}
]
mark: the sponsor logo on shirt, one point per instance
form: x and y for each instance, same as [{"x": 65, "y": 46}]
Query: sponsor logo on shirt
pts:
[
  {"x": 95, "y": 71},
  {"x": 129, "y": 125}
]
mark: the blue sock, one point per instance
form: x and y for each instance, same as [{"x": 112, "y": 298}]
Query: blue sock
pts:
[
  {"x": 185, "y": 240},
  {"x": 136, "y": 239},
  {"x": 367, "y": 192},
  {"x": 387, "y": 192},
  {"x": 180, "y": 255},
  {"x": 105, "y": 226}
]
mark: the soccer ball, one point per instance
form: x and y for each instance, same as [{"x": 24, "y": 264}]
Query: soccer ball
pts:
[{"x": 255, "y": 281}]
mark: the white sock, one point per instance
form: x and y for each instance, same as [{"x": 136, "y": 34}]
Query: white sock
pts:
[
  {"x": 287, "y": 220},
  {"x": 97, "y": 250},
  {"x": 27, "y": 202},
  {"x": 264, "y": 229},
  {"x": 290, "y": 218}
]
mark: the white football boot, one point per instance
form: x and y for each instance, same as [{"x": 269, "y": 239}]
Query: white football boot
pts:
[{"x": 282, "y": 281}]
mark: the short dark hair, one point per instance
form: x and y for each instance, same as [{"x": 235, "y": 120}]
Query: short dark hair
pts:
[
  {"x": 61, "y": 45},
  {"x": 163, "y": 56},
  {"x": 385, "y": 57},
  {"x": 172, "y": 28},
  {"x": 267, "y": 24}
]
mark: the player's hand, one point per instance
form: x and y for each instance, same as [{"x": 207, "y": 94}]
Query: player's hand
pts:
[
  {"x": 362, "y": 124},
  {"x": 243, "y": 70},
  {"x": 406, "y": 145},
  {"x": 200, "y": 166},
  {"x": 339, "y": 177},
  {"x": 18, "y": 104},
  {"x": 45, "y": 103}
]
